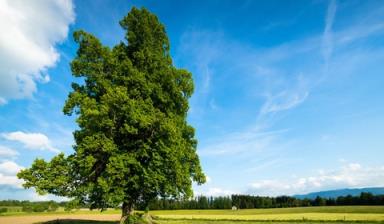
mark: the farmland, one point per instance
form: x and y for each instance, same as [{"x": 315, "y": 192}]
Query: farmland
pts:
[{"x": 335, "y": 215}]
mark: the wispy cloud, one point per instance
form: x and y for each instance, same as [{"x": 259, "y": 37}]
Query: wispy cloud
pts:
[
  {"x": 251, "y": 141},
  {"x": 286, "y": 99},
  {"x": 274, "y": 83},
  {"x": 202, "y": 51},
  {"x": 327, "y": 35}
]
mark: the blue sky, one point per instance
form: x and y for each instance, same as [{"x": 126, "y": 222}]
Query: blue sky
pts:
[{"x": 288, "y": 99}]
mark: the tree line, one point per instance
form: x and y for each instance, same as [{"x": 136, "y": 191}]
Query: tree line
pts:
[
  {"x": 28, "y": 206},
  {"x": 203, "y": 202},
  {"x": 249, "y": 202}
]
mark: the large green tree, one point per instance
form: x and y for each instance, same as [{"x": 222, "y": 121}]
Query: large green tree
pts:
[{"x": 133, "y": 143}]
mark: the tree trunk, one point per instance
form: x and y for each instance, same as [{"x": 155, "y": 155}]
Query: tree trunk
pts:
[{"x": 127, "y": 210}]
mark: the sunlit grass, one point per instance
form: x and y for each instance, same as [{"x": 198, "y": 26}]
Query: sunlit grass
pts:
[
  {"x": 335, "y": 214},
  {"x": 324, "y": 209},
  {"x": 282, "y": 217},
  {"x": 343, "y": 213}
]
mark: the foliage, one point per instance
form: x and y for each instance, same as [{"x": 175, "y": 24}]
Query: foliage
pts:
[
  {"x": 249, "y": 202},
  {"x": 200, "y": 202},
  {"x": 133, "y": 142}
]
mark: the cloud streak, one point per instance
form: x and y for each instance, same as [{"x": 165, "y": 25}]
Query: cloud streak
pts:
[
  {"x": 253, "y": 140},
  {"x": 281, "y": 79},
  {"x": 327, "y": 35},
  {"x": 286, "y": 99}
]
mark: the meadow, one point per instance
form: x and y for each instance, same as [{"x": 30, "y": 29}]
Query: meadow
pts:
[
  {"x": 328, "y": 214},
  {"x": 342, "y": 213}
]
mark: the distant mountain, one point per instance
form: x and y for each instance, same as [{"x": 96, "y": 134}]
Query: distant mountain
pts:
[{"x": 341, "y": 192}]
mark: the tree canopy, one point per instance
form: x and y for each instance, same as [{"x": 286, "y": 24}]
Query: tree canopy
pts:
[{"x": 134, "y": 142}]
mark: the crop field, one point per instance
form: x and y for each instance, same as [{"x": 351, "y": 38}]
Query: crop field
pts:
[{"x": 335, "y": 215}]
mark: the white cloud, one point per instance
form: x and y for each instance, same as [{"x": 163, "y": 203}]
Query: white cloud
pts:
[
  {"x": 7, "y": 152},
  {"x": 33, "y": 196},
  {"x": 35, "y": 141},
  {"x": 216, "y": 191},
  {"x": 9, "y": 167},
  {"x": 10, "y": 180},
  {"x": 31, "y": 29},
  {"x": 350, "y": 175},
  {"x": 8, "y": 171}
]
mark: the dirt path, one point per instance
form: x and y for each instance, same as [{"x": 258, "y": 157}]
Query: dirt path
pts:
[{"x": 29, "y": 219}]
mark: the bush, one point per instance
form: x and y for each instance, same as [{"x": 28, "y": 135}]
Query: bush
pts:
[
  {"x": 139, "y": 218},
  {"x": 3, "y": 210}
]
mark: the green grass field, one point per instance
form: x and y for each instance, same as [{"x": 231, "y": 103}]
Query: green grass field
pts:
[
  {"x": 335, "y": 215},
  {"x": 343, "y": 213},
  {"x": 206, "y": 222}
]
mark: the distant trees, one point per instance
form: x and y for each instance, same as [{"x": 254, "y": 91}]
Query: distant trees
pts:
[
  {"x": 319, "y": 201},
  {"x": 28, "y": 206},
  {"x": 40, "y": 207},
  {"x": 200, "y": 202},
  {"x": 249, "y": 202},
  {"x": 221, "y": 202}
]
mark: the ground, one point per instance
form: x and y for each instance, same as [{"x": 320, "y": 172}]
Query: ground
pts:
[{"x": 310, "y": 215}]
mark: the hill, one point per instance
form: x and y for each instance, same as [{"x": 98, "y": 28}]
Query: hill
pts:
[{"x": 341, "y": 192}]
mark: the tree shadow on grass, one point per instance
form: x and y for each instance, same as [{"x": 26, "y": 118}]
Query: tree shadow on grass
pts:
[{"x": 78, "y": 221}]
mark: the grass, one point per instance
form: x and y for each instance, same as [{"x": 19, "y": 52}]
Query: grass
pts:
[
  {"x": 324, "y": 209},
  {"x": 207, "y": 222},
  {"x": 309, "y": 215},
  {"x": 256, "y": 222},
  {"x": 335, "y": 213},
  {"x": 243, "y": 212},
  {"x": 72, "y": 221},
  {"x": 281, "y": 217}
]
